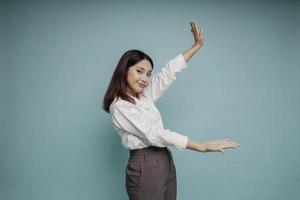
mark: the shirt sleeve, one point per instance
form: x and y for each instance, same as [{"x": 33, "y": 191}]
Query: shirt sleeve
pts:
[
  {"x": 164, "y": 78},
  {"x": 134, "y": 120}
]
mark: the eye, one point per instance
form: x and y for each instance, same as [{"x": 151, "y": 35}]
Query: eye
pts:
[
  {"x": 149, "y": 75},
  {"x": 139, "y": 71}
]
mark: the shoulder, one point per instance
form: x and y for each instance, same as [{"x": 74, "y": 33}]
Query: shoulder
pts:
[{"x": 120, "y": 104}]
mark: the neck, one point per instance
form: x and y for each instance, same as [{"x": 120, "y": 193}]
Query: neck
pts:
[{"x": 131, "y": 93}]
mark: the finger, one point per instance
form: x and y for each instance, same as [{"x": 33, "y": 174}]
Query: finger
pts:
[
  {"x": 230, "y": 146},
  {"x": 197, "y": 28},
  {"x": 232, "y": 142},
  {"x": 235, "y": 144},
  {"x": 194, "y": 27},
  {"x": 201, "y": 32},
  {"x": 222, "y": 151}
]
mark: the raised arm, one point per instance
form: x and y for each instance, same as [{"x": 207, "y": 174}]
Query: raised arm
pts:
[
  {"x": 161, "y": 82},
  {"x": 198, "y": 37}
]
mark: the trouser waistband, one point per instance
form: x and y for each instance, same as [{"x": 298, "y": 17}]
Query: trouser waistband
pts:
[
  {"x": 148, "y": 153},
  {"x": 136, "y": 152}
]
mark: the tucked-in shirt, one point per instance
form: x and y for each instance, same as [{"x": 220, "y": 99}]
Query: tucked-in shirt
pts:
[{"x": 140, "y": 125}]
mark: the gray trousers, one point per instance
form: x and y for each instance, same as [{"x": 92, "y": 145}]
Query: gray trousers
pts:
[{"x": 151, "y": 174}]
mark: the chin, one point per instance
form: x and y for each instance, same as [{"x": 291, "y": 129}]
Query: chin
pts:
[{"x": 140, "y": 91}]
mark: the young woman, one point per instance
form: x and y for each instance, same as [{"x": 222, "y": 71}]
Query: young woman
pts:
[{"x": 129, "y": 99}]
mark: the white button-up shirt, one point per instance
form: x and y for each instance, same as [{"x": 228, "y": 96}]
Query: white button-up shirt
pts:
[{"x": 141, "y": 125}]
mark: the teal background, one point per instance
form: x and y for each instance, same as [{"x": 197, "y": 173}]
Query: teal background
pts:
[{"x": 57, "y": 58}]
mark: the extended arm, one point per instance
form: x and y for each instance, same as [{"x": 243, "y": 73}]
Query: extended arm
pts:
[{"x": 212, "y": 146}]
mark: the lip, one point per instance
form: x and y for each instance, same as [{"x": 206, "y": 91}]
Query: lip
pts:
[{"x": 141, "y": 85}]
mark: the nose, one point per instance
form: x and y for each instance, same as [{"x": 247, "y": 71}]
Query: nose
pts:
[{"x": 144, "y": 79}]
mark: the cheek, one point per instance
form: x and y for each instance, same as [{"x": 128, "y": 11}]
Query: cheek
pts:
[{"x": 133, "y": 77}]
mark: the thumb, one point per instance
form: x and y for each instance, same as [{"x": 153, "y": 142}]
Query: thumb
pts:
[{"x": 222, "y": 151}]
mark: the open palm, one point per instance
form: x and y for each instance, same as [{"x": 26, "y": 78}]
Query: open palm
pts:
[
  {"x": 220, "y": 145},
  {"x": 198, "y": 34}
]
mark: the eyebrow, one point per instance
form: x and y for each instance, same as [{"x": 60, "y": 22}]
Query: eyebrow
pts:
[{"x": 144, "y": 69}]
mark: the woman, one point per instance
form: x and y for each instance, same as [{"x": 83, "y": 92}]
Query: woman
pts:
[{"x": 130, "y": 98}]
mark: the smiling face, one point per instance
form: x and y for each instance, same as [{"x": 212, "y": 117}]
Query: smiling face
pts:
[{"x": 138, "y": 77}]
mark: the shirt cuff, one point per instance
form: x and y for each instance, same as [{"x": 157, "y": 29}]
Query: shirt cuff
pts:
[
  {"x": 180, "y": 62},
  {"x": 179, "y": 141}
]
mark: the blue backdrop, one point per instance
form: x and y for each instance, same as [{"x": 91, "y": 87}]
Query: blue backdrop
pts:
[{"x": 57, "y": 58}]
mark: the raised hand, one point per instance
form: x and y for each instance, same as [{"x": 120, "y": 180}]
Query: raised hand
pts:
[
  {"x": 219, "y": 145},
  {"x": 198, "y": 34}
]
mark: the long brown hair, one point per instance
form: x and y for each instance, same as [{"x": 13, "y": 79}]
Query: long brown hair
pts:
[{"x": 118, "y": 84}]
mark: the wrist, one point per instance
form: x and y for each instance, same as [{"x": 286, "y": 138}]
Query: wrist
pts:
[
  {"x": 197, "y": 46},
  {"x": 202, "y": 148}
]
